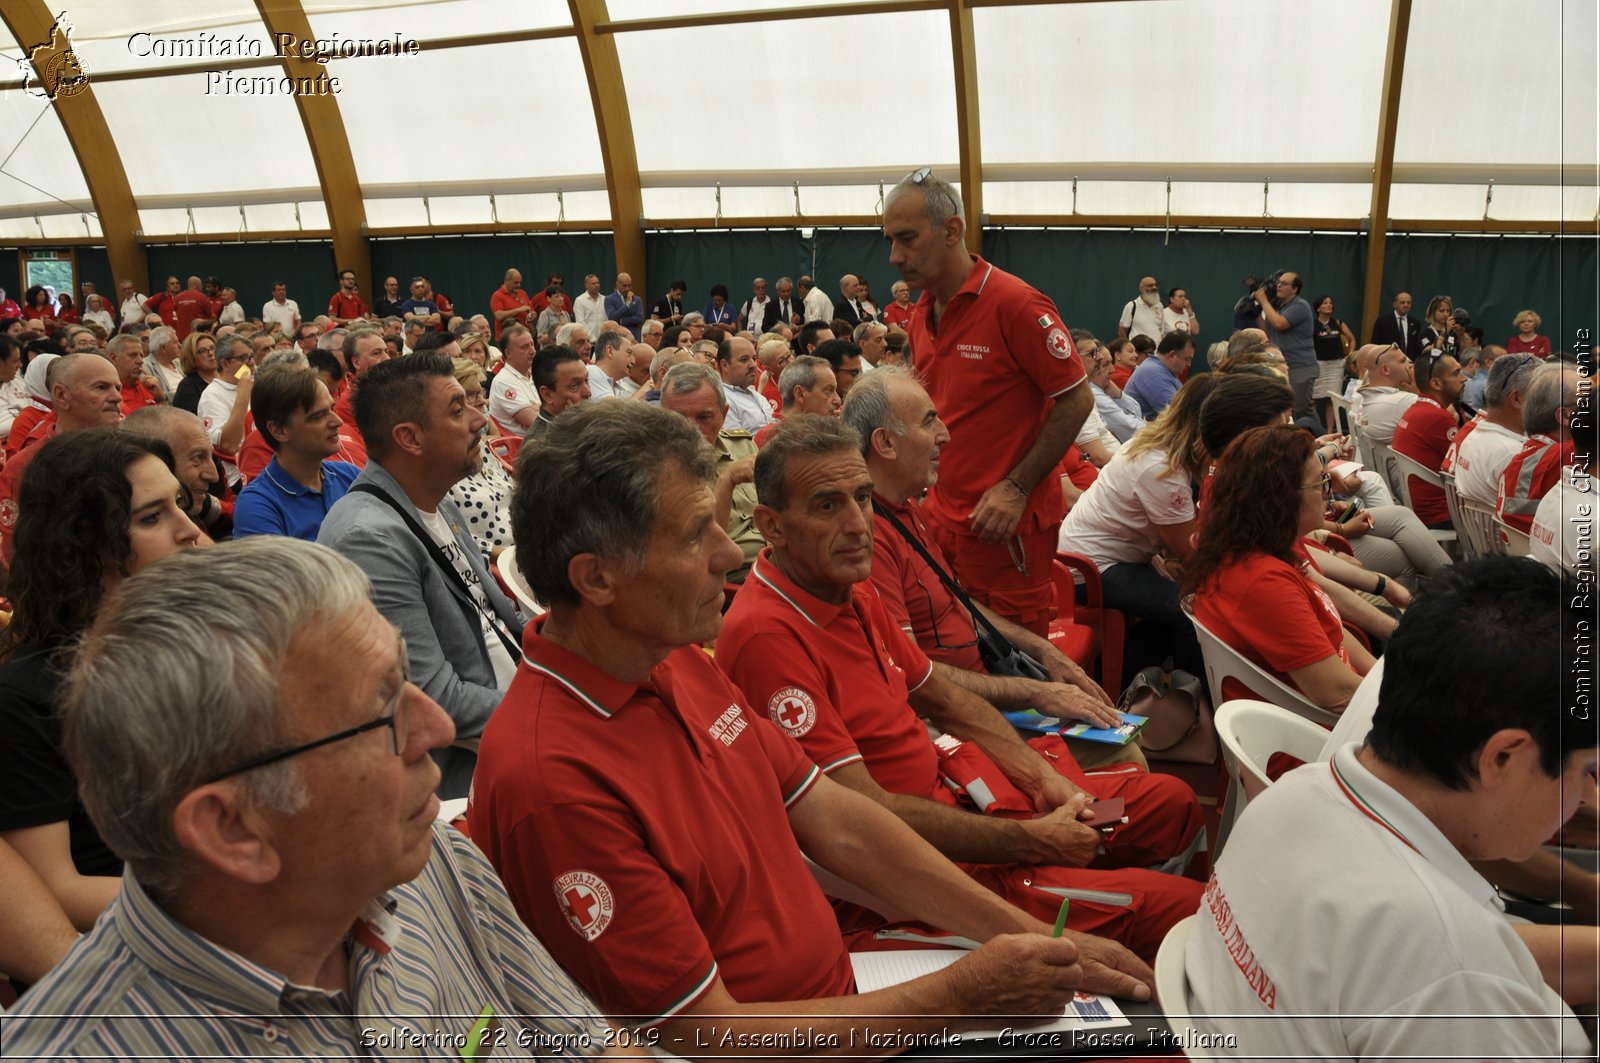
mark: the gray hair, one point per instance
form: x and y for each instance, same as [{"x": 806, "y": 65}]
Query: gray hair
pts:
[
  {"x": 354, "y": 336},
  {"x": 292, "y": 356},
  {"x": 758, "y": 280},
  {"x": 801, "y": 372},
  {"x": 564, "y": 333},
  {"x": 160, "y": 422},
  {"x": 689, "y": 377},
  {"x": 332, "y": 340},
  {"x": 806, "y": 435},
  {"x": 211, "y": 632},
  {"x": 609, "y": 341},
  {"x": 868, "y": 407},
  {"x": 1553, "y": 387},
  {"x": 121, "y": 340},
  {"x": 665, "y": 359},
  {"x": 694, "y": 317},
  {"x": 1508, "y": 373},
  {"x": 226, "y": 345},
  {"x": 863, "y": 330},
  {"x": 782, "y": 281},
  {"x": 161, "y": 336},
  {"x": 652, "y": 326},
  {"x": 591, "y": 484},
  {"x": 940, "y": 199}
]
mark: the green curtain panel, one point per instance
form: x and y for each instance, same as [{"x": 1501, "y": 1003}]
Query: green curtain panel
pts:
[
  {"x": 701, "y": 259},
  {"x": 468, "y": 269}
]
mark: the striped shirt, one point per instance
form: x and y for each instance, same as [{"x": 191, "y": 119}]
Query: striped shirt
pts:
[{"x": 426, "y": 961}]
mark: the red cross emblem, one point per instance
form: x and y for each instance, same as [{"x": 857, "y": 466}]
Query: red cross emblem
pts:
[
  {"x": 792, "y": 709},
  {"x": 1058, "y": 343},
  {"x": 586, "y": 901}
]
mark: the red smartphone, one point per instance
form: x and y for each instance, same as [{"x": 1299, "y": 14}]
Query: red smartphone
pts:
[{"x": 1109, "y": 812}]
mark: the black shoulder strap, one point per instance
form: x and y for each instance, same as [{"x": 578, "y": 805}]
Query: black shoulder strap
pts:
[
  {"x": 983, "y": 622},
  {"x": 444, "y": 564}
]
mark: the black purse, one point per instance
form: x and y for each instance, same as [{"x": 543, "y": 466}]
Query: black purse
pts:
[{"x": 1000, "y": 655}]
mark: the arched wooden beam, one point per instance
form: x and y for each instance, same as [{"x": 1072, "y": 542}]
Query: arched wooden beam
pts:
[
  {"x": 1394, "y": 66},
  {"x": 330, "y": 147},
  {"x": 31, "y": 22},
  {"x": 615, "y": 126}
]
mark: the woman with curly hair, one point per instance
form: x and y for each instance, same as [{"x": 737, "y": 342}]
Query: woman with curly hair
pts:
[
  {"x": 95, "y": 506},
  {"x": 1247, "y": 570},
  {"x": 197, "y": 358},
  {"x": 37, "y": 305},
  {"x": 1135, "y": 523}
]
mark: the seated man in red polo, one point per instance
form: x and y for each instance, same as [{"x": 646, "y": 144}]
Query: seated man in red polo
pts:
[
  {"x": 1553, "y": 396},
  {"x": 645, "y": 820},
  {"x": 809, "y": 641},
  {"x": 1428, "y": 427},
  {"x": 901, "y": 437}
]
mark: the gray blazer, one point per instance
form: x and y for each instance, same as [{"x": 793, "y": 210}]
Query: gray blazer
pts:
[{"x": 443, "y": 631}]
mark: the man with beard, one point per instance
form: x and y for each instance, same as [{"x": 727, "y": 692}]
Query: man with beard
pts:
[{"x": 1142, "y": 316}]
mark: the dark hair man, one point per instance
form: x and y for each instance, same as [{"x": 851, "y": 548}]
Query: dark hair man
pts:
[
  {"x": 294, "y": 414},
  {"x": 562, "y": 378}
]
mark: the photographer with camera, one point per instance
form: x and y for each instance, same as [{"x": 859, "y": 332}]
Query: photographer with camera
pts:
[{"x": 1289, "y": 322}]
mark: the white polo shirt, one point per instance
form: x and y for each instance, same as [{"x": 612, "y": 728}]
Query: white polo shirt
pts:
[
  {"x": 284, "y": 313},
  {"x": 1563, "y": 525},
  {"x": 590, "y": 313},
  {"x": 1119, "y": 519},
  {"x": 1340, "y": 924},
  {"x": 1482, "y": 459},
  {"x": 511, "y": 393},
  {"x": 1381, "y": 410}
]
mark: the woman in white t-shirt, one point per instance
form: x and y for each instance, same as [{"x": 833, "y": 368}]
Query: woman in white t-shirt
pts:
[{"x": 1142, "y": 507}]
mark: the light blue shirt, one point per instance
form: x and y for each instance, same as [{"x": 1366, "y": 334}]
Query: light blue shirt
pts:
[{"x": 1152, "y": 386}]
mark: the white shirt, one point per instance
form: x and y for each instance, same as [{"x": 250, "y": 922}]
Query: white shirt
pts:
[
  {"x": 132, "y": 308},
  {"x": 1142, "y": 319},
  {"x": 101, "y": 318},
  {"x": 511, "y": 393},
  {"x": 285, "y": 313},
  {"x": 818, "y": 307},
  {"x": 1121, "y": 415},
  {"x": 232, "y": 314},
  {"x": 1482, "y": 459},
  {"x": 172, "y": 377},
  {"x": 214, "y": 408},
  {"x": 1176, "y": 322},
  {"x": 505, "y": 669},
  {"x": 1119, "y": 518},
  {"x": 746, "y": 409},
  {"x": 1381, "y": 410},
  {"x": 602, "y": 386},
  {"x": 758, "y": 314},
  {"x": 1563, "y": 525},
  {"x": 1094, "y": 430},
  {"x": 1345, "y": 924},
  {"x": 590, "y": 313},
  {"x": 13, "y": 400}
]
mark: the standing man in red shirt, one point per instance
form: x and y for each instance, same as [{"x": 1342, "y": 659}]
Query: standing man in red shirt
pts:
[
  {"x": 510, "y": 303},
  {"x": 1002, "y": 371},
  {"x": 189, "y": 306},
  {"x": 166, "y": 304},
  {"x": 347, "y": 307},
  {"x": 1427, "y": 429}
]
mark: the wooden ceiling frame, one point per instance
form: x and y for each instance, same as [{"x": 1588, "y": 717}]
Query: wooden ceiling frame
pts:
[
  {"x": 1394, "y": 66},
  {"x": 614, "y": 124}
]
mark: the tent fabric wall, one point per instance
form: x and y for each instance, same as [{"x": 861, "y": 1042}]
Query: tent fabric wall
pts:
[
  {"x": 469, "y": 268},
  {"x": 701, "y": 259},
  {"x": 251, "y": 270}
]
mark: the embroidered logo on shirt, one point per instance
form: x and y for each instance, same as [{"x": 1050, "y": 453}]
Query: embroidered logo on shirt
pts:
[
  {"x": 9, "y": 513},
  {"x": 792, "y": 709},
  {"x": 729, "y": 725},
  {"x": 511, "y": 393},
  {"x": 586, "y": 901},
  {"x": 1059, "y": 344},
  {"x": 975, "y": 351}
]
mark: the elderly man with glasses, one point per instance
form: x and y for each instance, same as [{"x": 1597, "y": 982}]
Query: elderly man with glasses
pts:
[
  {"x": 225, "y": 403},
  {"x": 288, "y": 890}
]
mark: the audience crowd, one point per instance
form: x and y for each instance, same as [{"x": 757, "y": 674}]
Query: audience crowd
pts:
[{"x": 699, "y": 605}]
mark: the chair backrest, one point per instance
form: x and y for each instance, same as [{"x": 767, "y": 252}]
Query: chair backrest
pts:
[
  {"x": 1452, "y": 502},
  {"x": 1477, "y": 527},
  {"x": 1251, "y": 731},
  {"x": 1341, "y": 407},
  {"x": 1172, "y": 986},
  {"x": 1406, "y": 467},
  {"x": 1516, "y": 542},
  {"x": 505, "y": 449},
  {"x": 505, "y": 567},
  {"x": 1383, "y": 463},
  {"x": 1223, "y": 663}
]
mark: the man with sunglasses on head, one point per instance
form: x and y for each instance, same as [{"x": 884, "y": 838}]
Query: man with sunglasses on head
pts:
[
  {"x": 1390, "y": 390},
  {"x": 1002, "y": 371},
  {"x": 288, "y": 890}
]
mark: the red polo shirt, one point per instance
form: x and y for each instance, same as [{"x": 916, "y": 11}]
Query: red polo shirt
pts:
[
  {"x": 11, "y": 484},
  {"x": 1272, "y": 614},
  {"x": 997, "y": 359},
  {"x": 642, "y": 834},
  {"x": 895, "y": 314},
  {"x": 1529, "y": 477},
  {"x": 187, "y": 308},
  {"x": 1424, "y": 434},
  {"x": 165, "y": 304},
  {"x": 255, "y": 454},
  {"x": 136, "y": 396},
  {"x": 346, "y": 306},
  {"x": 834, "y": 677},
  {"x": 504, "y": 300},
  {"x": 28, "y": 423},
  {"x": 913, "y": 593}
]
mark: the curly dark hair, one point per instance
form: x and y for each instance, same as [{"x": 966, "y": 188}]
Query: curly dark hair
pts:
[
  {"x": 72, "y": 529},
  {"x": 1254, "y": 502}
]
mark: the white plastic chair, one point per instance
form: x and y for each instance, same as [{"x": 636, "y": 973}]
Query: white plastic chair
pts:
[
  {"x": 1382, "y": 463},
  {"x": 1477, "y": 522},
  {"x": 1516, "y": 542},
  {"x": 1341, "y": 406},
  {"x": 506, "y": 566},
  {"x": 1404, "y": 469},
  {"x": 1223, "y": 662},
  {"x": 1251, "y": 731},
  {"x": 1172, "y": 985}
]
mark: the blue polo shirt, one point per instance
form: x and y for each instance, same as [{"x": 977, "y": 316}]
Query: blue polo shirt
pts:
[
  {"x": 275, "y": 503},
  {"x": 1152, "y": 386}
]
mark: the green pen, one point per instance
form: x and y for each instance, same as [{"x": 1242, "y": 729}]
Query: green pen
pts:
[
  {"x": 475, "y": 1036},
  {"x": 1061, "y": 917}
]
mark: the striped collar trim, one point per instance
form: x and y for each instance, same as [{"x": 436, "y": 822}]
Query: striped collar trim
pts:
[{"x": 765, "y": 571}]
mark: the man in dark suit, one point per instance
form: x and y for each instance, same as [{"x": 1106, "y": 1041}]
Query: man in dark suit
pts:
[
  {"x": 1399, "y": 327},
  {"x": 787, "y": 307},
  {"x": 847, "y": 308}
]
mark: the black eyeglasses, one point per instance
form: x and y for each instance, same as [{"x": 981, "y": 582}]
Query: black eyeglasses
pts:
[
  {"x": 1323, "y": 483},
  {"x": 391, "y": 719}
]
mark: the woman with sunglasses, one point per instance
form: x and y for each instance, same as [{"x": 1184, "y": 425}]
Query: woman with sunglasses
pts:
[
  {"x": 1247, "y": 570},
  {"x": 95, "y": 507}
]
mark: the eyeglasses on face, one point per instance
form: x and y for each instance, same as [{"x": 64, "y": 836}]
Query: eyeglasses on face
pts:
[{"x": 1323, "y": 483}]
